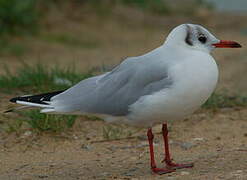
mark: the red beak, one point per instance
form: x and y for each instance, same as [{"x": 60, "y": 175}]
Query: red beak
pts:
[{"x": 227, "y": 44}]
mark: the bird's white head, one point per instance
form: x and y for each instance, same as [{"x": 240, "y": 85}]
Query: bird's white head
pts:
[{"x": 196, "y": 37}]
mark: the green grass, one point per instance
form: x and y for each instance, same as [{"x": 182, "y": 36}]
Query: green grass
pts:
[
  {"x": 46, "y": 122},
  {"x": 18, "y": 16},
  {"x": 41, "y": 122},
  {"x": 40, "y": 78},
  {"x": 224, "y": 100}
]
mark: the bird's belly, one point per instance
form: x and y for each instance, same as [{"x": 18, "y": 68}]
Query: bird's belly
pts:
[{"x": 185, "y": 96}]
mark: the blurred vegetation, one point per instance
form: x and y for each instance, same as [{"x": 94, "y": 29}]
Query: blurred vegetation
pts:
[
  {"x": 41, "y": 122},
  {"x": 224, "y": 100},
  {"x": 40, "y": 79},
  {"x": 24, "y": 16},
  {"x": 18, "y": 16}
]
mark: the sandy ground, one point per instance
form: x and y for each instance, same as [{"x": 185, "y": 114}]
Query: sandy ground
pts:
[{"x": 215, "y": 141}]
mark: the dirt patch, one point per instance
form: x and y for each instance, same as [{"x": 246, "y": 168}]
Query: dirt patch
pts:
[{"x": 215, "y": 142}]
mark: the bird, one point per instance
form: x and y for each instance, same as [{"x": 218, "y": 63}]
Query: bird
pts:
[{"x": 166, "y": 84}]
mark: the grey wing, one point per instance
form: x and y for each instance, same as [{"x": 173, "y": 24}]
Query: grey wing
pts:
[{"x": 113, "y": 92}]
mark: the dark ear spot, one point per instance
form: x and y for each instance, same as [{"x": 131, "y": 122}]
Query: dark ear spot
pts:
[{"x": 188, "y": 39}]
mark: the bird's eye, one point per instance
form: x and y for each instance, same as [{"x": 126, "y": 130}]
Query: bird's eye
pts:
[{"x": 202, "y": 39}]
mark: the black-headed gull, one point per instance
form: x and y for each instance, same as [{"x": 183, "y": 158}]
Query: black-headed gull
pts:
[{"x": 168, "y": 83}]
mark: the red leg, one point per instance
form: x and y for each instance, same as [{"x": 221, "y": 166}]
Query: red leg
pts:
[
  {"x": 168, "y": 159},
  {"x": 153, "y": 164}
]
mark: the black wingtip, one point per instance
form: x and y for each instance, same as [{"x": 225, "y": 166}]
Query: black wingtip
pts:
[
  {"x": 13, "y": 100},
  {"x": 39, "y": 99}
]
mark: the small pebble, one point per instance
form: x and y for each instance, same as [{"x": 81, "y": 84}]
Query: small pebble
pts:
[
  {"x": 184, "y": 173},
  {"x": 218, "y": 138},
  {"x": 198, "y": 139},
  {"x": 86, "y": 147},
  {"x": 239, "y": 171},
  {"x": 26, "y": 134}
]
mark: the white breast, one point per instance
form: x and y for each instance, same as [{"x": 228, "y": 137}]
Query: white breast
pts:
[{"x": 194, "y": 81}]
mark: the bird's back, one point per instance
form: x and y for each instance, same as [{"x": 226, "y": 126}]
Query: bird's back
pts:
[{"x": 113, "y": 92}]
